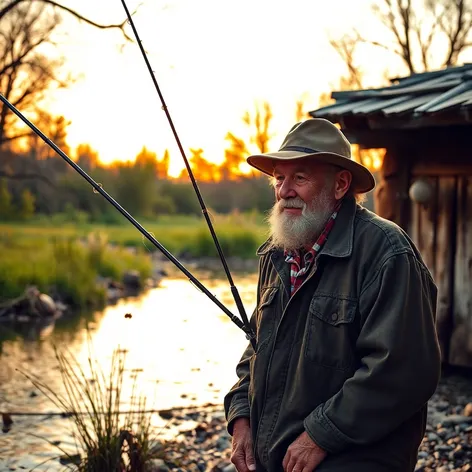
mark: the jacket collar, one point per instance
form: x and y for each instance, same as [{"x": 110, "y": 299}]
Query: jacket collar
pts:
[{"x": 341, "y": 237}]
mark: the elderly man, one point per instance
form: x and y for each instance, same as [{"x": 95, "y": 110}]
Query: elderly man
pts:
[{"x": 347, "y": 354}]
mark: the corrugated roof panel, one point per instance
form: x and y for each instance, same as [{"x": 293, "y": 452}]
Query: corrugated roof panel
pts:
[
  {"x": 422, "y": 76},
  {"x": 443, "y": 97},
  {"x": 453, "y": 101},
  {"x": 342, "y": 109},
  {"x": 430, "y": 85},
  {"x": 421, "y": 93},
  {"x": 410, "y": 105},
  {"x": 379, "y": 104}
]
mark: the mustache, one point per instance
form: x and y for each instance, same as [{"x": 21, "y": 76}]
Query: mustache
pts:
[{"x": 292, "y": 203}]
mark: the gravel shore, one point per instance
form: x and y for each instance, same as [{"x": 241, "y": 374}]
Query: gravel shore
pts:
[
  {"x": 202, "y": 443},
  {"x": 447, "y": 445}
]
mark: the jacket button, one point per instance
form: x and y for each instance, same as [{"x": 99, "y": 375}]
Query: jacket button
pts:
[{"x": 334, "y": 316}]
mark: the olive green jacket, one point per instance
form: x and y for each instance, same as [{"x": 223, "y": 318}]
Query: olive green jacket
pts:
[{"x": 352, "y": 358}]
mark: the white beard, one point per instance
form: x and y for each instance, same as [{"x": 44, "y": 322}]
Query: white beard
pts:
[{"x": 292, "y": 232}]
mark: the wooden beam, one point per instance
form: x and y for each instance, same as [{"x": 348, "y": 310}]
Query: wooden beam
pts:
[{"x": 437, "y": 169}]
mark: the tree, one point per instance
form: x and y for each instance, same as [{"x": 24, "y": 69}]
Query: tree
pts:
[
  {"x": 353, "y": 80},
  {"x": 27, "y": 204},
  {"x": 346, "y": 48},
  {"x": 417, "y": 28},
  {"x": 163, "y": 166},
  {"x": 55, "y": 127},
  {"x": 234, "y": 156},
  {"x": 201, "y": 168},
  {"x": 6, "y": 206},
  {"x": 258, "y": 124},
  {"x": 86, "y": 157},
  {"x": 26, "y": 74},
  {"x": 136, "y": 183}
]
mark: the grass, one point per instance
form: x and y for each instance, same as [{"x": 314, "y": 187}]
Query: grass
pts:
[
  {"x": 67, "y": 258},
  {"x": 238, "y": 234},
  {"x": 64, "y": 265},
  {"x": 107, "y": 440}
]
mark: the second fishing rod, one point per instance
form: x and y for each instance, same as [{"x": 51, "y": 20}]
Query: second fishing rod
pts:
[{"x": 234, "y": 290}]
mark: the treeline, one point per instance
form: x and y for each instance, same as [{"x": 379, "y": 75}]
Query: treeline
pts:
[{"x": 47, "y": 185}]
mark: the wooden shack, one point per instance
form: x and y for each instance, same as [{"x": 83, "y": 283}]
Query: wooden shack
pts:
[{"x": 423, "y": 123}]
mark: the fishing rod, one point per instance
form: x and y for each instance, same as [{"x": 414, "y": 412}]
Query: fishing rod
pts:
[
  {"x": 99, "y": 189},
  {"x": 234, "y": 290}
]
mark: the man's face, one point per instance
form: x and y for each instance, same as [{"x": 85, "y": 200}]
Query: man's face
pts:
[{"x": 305, "y": 198}]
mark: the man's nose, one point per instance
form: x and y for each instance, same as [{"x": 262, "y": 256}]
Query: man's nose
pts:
[{"x": 286, "y": 190}]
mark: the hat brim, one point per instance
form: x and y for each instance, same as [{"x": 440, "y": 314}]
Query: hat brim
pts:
[{"x": 362, "y": 179}]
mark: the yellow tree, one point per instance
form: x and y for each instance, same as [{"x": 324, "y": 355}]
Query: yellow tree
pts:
[
  {"x": 202, "y": 169},
  {"x": 234, "y": 157},
  {"x": 258, "y": 124},
  {"x": 86, "y": 157},
  {"x": 163, "y": 165}
]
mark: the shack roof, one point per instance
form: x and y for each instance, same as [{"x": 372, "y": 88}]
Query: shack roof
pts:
[{"x": 438, "y": 98}]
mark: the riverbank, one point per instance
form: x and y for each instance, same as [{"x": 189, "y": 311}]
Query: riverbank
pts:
[
  {"x": 447, "y": 445},
  {"x": 75, "y": 272},
  {"x": 83, "y": 266}
]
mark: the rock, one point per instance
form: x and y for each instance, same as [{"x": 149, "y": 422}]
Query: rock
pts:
[
  {"x": 70, "y": 459},
  {"x": 45, "y": 305},
  {"x": 166, "y": 414},
  {"x": 229, "y": 468},
  {"x": 443, "y": 448},
  {"x": 453, "y": 420},
  {"x": 158, "y": 465},
  {"x": 132, "y": 279},
  {"x": 442, "y": 406},
  {"x": 468, "y": 410},
  {"x": 7, "y": 422}
]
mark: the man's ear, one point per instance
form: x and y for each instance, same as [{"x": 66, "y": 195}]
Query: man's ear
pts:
[{"x": 342, "y": 182}]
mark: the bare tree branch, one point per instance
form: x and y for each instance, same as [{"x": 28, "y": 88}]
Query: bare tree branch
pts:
[
  {"x": 346, "y": 47},
  {"x": 14, "y": 3},
  {"x": 415, "y": 32}
]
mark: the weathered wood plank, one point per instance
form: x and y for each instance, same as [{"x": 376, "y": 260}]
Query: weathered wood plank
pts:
[
  {"x": 444, "y": 169},
  {"x": 443, "y": 261},
  {"x": 461, "y": 338},
  {"x": 421, "y": 228}
]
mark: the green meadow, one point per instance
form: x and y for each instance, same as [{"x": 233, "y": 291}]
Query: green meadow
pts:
[{"x": 58, "y": 256}]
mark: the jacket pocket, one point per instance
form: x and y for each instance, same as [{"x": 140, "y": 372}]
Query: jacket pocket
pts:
[
  {"x": 330, "y": 336},
  {"x": 266, "y": 315}
]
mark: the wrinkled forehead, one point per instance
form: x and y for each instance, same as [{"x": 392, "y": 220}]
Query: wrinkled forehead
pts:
[{"x": 304, "y": 165}]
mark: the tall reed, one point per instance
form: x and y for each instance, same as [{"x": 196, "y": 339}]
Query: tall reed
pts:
[{"x": 107, "y": 440}]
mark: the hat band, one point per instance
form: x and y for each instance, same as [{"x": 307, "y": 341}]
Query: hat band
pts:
[{"x": 299, "y": 149}]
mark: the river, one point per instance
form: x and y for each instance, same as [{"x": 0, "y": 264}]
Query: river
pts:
[{"x": 179, "y": 343}]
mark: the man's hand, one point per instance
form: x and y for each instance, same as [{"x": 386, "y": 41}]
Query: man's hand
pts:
[
  {"x": 242, "y": 455},
  {"x": 303, "y": 455}
]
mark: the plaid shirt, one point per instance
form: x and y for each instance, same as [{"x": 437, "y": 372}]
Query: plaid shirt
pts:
[{"x": 300, "y": 266}]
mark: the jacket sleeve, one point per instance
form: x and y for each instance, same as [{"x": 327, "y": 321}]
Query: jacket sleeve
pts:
[
  {"x": 399, "y": 359},
  {"x": 236, "y": 401}
]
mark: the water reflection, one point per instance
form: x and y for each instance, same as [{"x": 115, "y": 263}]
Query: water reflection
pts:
[{"x": 184, "y": 348}]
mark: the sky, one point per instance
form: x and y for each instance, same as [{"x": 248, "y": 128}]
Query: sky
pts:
[{"x": 213, "y": 61}]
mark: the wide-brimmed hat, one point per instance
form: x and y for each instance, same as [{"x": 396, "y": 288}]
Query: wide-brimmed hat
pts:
[{"x": 322, "y": 141}]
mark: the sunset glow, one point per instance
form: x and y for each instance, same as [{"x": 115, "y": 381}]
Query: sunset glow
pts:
[{"x": 213, "y": 61}]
